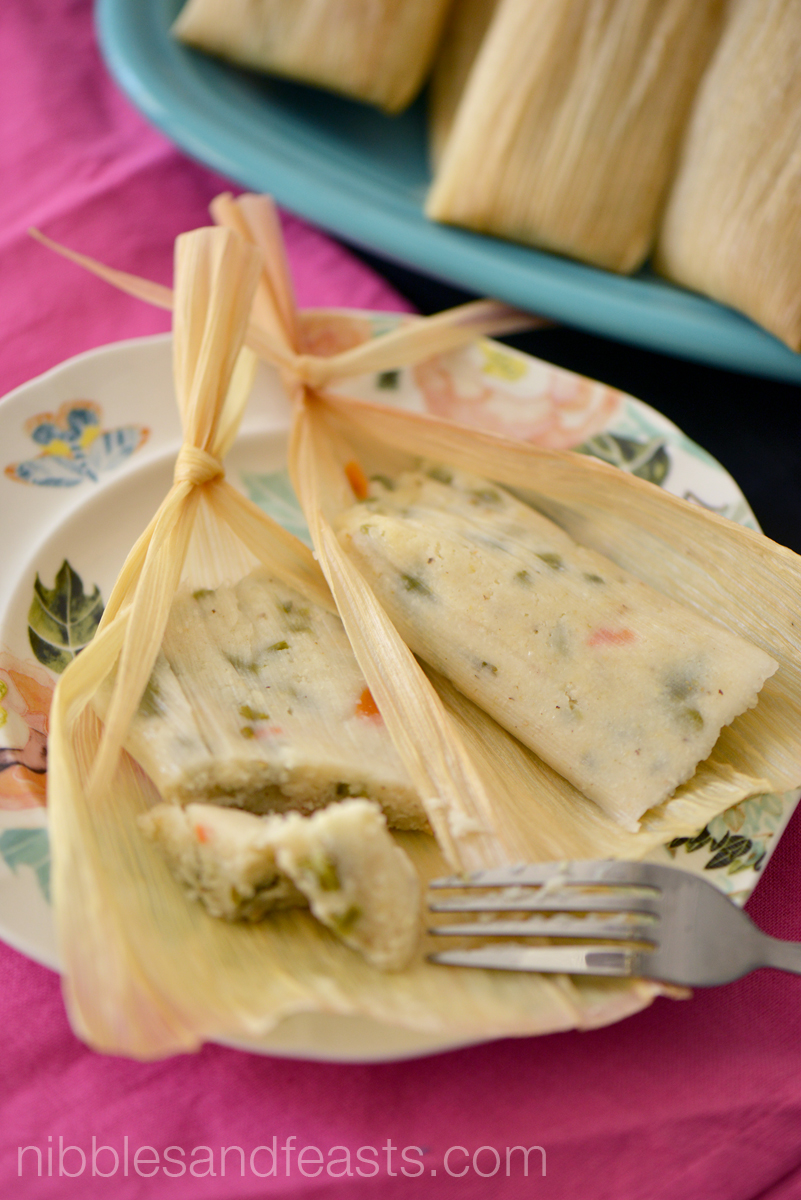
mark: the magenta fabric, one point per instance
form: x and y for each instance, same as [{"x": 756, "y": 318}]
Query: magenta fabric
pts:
[{"x": 694, "y": 1099}]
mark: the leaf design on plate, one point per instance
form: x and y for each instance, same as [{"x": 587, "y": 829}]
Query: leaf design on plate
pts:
[
  {"x": 649, "y": 460},
  {"x": 275, "y": 495},
  {"x": 29, "y": 848},
  {"x": 62, "y": 619},
  {"x": 731, "y": 847}
]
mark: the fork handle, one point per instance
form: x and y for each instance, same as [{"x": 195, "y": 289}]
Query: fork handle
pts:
[{"x": 785, "y": 956}]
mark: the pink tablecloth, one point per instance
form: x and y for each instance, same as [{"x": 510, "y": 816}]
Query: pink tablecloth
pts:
[{"x": 700, "y": 1098}]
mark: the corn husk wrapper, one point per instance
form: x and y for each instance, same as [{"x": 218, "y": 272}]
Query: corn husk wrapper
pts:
[
  {"x": 146, "y": 972},
  {"x": 378, "y": 51},
  {"x": 488, "y": 798},
  {"x": 732, "y": 227},
  {"x": 464, "y": 32},
  {"x": 568, "y": 128}
]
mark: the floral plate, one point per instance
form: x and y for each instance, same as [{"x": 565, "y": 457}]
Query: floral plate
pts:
[{"x": 88, "y": 453}]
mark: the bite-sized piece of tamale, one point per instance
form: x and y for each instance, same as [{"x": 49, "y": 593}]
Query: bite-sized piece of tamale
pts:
[
  {"x": 618, "y": 688},
  {"x": 223, "y": 857},
  {"x": 464, "y": 32},
  {"x": 358, "y": 881},
  {"x": 342, "y": 861},
  {"x": 568, "y": 128},
  {"x": 378, "y": 51},
  {"x": 732, "y": 227},
  {"x": 256, "y": 701}
]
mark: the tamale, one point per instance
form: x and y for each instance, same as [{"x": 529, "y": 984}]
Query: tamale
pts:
[
  {"x": 256, "y": 701},
  {"x": 567, "y": 130},
  {"x": 732, "y": 226},
  {"x": 619, "y": 689},
  {"x": 378, "y": 51},
  {"x": 358, "y": 881},
  {"x": 223, "y": 857},
  {"x": 464, "y": 32},
  {"x": 342, "y": 861}
]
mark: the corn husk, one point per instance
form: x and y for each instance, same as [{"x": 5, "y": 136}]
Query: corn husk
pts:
[
  {"x": 146, "y": 972},
  {"x": 464, "y": 32},
  {"x": 378, "y": 51},
  {"x": 568, "y": 128},
  {"x": 732, "y": 227}
]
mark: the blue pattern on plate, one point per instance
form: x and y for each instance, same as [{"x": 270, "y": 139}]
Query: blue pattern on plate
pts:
[{"x": 86, "y": 457}]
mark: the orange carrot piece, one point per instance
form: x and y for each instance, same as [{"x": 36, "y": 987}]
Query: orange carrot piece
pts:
[
  {"x": 367, "y": 706},
  {"x": 357, "y": 480},
  {"x": 612, "y": 637}
]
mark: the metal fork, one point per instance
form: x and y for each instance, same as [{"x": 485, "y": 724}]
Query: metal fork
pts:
[{"x": 631, "y": 919}]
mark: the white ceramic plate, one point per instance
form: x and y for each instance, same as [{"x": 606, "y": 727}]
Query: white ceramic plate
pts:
[{"x": 88, "y": 452}]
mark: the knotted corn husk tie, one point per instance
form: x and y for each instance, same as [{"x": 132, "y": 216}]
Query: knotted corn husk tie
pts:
[{"x": 196, "y": 466}]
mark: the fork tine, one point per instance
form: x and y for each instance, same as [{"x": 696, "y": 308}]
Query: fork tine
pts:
[
  {"x": 696, "y": 936},
  {"x": 572, "y": 873},
  {"x": 550, "y": 902},
  {"x": 550, "y": 927},
  {"x": 570, "y": 960}
]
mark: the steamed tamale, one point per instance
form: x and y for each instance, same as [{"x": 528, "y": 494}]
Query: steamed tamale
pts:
[
  {"x": 256, "y": 701},
  {"x": 357, "y": 880},
  {"x": 567, "y": 131},
  {"x": 224, "y": 857},
  {"x": 342, "y": 861},
  {"x": 618, "y": 688},
  {"x": 732, "y": 227},
  {"x": 378, "y": 51}
]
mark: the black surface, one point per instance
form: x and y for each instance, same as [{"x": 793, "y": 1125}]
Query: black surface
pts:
[{"x": 751, "y": 425}]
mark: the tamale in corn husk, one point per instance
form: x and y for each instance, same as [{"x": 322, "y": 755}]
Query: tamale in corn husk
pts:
[
  {"x": 148, "y": 973},
  {"x": 732, "y": 226},
  {"x": 378, "y": 51},
  {"x": 567, "y": 130},
  {"x": 619, "y": 689},
  {"x": 464, "y": 31}
]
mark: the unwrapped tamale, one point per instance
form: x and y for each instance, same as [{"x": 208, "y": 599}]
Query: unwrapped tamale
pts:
[
  {"x": 732, "y": 227},
  {"x": 342, "y": 861},
  {"x": 378, "y": 51},
  {"x": 618, "y": 688},
  {"x": 568, "y": 127},
  {"x": 256, "y": 701}
]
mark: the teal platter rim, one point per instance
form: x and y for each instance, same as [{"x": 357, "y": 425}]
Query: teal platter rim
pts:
[{"x": 362, "y": 176}]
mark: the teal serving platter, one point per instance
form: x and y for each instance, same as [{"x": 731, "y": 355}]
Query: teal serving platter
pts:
[{"x": 363, "y": 176}]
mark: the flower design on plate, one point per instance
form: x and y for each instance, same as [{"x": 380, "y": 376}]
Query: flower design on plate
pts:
[
  {"x": 75, "y": 446},
  {"x": 25, "y": 695},
  {"x": 326, "y": 333},
  {"x": 498, "y": 389}
]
